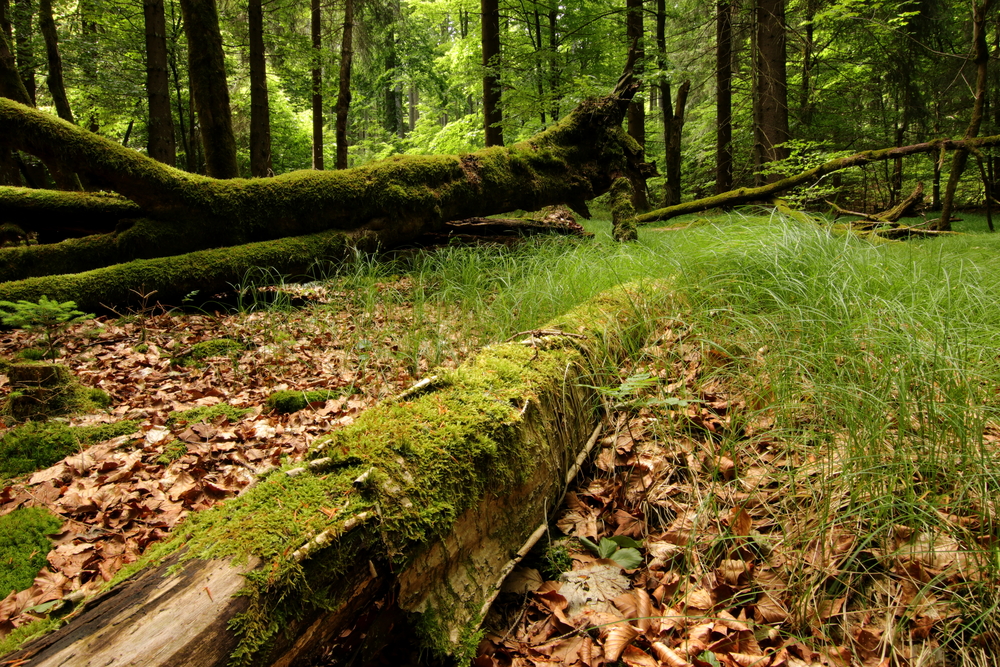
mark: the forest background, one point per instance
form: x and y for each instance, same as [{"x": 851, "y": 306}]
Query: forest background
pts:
[{"x": 729, "y": 86}]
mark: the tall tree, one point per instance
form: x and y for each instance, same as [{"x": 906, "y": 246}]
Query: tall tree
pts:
[
  {"x": 492, "y": 114},
  {"x": 24, "y": 44},
  {"x": 161, "y": 143},
  {"x": 207, "y": 67},
  {"x": 317, "y": 84},
  {"x": 344, "y": 92},
  {"x": 54, "y": 78},
  {"x": 637, "y": 109},
  {"x": 260, "y": 113},
  {"x": 724, "y": 96},
  {"x": 770, "y": 85},
  {"x": 672, "y": 140},
  {"x": 981, "y": 58}
]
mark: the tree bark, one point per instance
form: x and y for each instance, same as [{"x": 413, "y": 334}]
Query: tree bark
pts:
[
  {"x": 672, "y": 185},
  {"x": 260, "y": 113},
  {"x": 12, "y": 88},
  {"x": 764, "y": 192},
  {"x": 981, "y": 60},
  {"x": 161, "y": 145},
  {"x": 634, "y": 35},
  {"x": 54, "y": 79},
  {"x": 391, "y": 201},
  {"x": 492, "y": 114},
  {"x": 770, "y": 87},
  {"x": 723, "y": 97},
  {"x": 344, "y": 92},
  {"x": 448, "y": 487},
  {"x": 207, "y": 67},
  {"x": 317, "y": 85},
  {"x": 23, "y": 12}
]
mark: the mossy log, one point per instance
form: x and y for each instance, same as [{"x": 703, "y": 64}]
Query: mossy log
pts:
[
  {"x": 765, "y": 192},
  {"x": 55, "y": 215},
  {"x": 174, "y": 212},
  {"x": 401, "y": 525}
]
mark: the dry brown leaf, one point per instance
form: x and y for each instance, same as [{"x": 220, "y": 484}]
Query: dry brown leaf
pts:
[
  {"x": 668, "y": 656},
  {"x": 636, "y": 657},
  {"x": 740, "y": 522},
  {"x": 619, "y": 637}
]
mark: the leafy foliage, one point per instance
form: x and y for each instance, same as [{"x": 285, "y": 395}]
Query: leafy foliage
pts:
[{"x": 48, "y": 315}]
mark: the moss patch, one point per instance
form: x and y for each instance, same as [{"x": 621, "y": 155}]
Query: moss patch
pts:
[
  {"x": 286, "y": 402},
  {"x": 218, "y": 347},
  {"x": 36, "y": 445},
  {"x": 24, "y": 545}
]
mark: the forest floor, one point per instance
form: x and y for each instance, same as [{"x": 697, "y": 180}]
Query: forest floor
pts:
[{"x": 717, "y": 524}]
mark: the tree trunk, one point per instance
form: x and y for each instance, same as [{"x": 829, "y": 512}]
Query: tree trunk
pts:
[
  {"x": 981, "y": 59},
  {"x": 391, "y": 201},
  {"x": 723, "y": 97},
  {"x": 54, "y": 79},
  {"x": 12, "y": 88},
  {"x": 448, "y": 486},
  {"x": 317, "y": 85},
  {"x": 634, "y": 34},
  {"x": 492, "y": 114},
  {"x": 554, "y": 62},
  {"x": 344, "y": 92},
  {"x": 207, "y": 68},
  {"x": 770, "y": 87},
  {"x": 260, "y": 113},
  {"x": 764, "y": 192},
  {"x": 161, "y": 144},
  {"x": 673, "y": 144},
  {"x": 23, "y": 12}
]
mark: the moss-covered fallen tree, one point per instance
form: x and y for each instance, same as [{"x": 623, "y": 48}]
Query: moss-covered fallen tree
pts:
[
  {"x": 765, "y": 192},
  {"x": 163, "y": 211},
  {"x": 401, "y": 525}
]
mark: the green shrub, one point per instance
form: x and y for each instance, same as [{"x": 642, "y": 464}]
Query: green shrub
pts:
[
  {"x": 24, "y": 546},
  {"x": 286, "y": 402}
]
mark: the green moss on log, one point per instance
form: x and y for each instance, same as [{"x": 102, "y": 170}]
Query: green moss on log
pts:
[
  {"x": 43, "y": 210},
  {"x": 416, "y": 463},
  {"x": 622, "y": 210},
  {"x": 288, "y": 401},
  {"x": 174, "y": 277}
]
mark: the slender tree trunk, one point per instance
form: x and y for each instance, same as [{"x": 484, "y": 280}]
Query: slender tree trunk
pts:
[
  {"x": 539, "y": 64},
  {"x": 673, "y": 145},
  {"x": 981, "y": 59},
  {"x": 207, "y": 67},
  {"x": 161, "y": 144},
  {"x": 344, "y": 93},
  {"x": 411, "y": 107},
  {"x": 317, "y": 86},
  {"x": 260, "y": 113},
  {"x": 54, "y": 79},
  {"x": 770, "y": 86},
  {"x": 808, "y": 44},
  {"x": 663, "y": 90},
  {"x": 492, "y": 114},
  {"x": 724, "y": 96},
  {"x": 637, "y": 109},
  {"x": 554, "y": 62},
  {"x": 24, "y": 48},
  {"x": 11, "y": 87}
]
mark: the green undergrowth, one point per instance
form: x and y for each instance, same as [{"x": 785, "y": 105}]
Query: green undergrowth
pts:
[
  {"x": 35, "y": 445},
  {"x": 24, "y": 546}
]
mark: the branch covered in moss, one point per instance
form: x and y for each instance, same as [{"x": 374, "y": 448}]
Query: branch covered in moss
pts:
[
  {"x": 55, "y": 214},
  {"x": 746, "y": 195}
]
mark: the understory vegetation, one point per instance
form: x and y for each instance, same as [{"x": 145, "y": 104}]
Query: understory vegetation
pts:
[{"x": 804, "y": 454}]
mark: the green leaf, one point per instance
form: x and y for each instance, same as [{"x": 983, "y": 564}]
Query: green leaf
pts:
[
  {"x": 710, "y": 658},
  {"x": 625, "y": 542},
  {"x": 607, "y": 548},
  {"x": 590, "y": 545},
  {"x": 628, "y": 558}
]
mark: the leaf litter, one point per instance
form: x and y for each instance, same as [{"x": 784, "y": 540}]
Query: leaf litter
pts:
[
  {"x": 204, "y": 434},
  {"x": 740, "y": 566}
]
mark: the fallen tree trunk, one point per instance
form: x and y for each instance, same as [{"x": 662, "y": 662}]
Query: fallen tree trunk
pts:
[
  {"x": 174, "y": 212},
  {"x": 902, "y": 209},
  {"x": 407, "y": 520},
  {"x": 765, "y": 192}
]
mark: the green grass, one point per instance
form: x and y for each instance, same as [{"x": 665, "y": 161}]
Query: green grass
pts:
[{"x": 875, "y": 361}]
